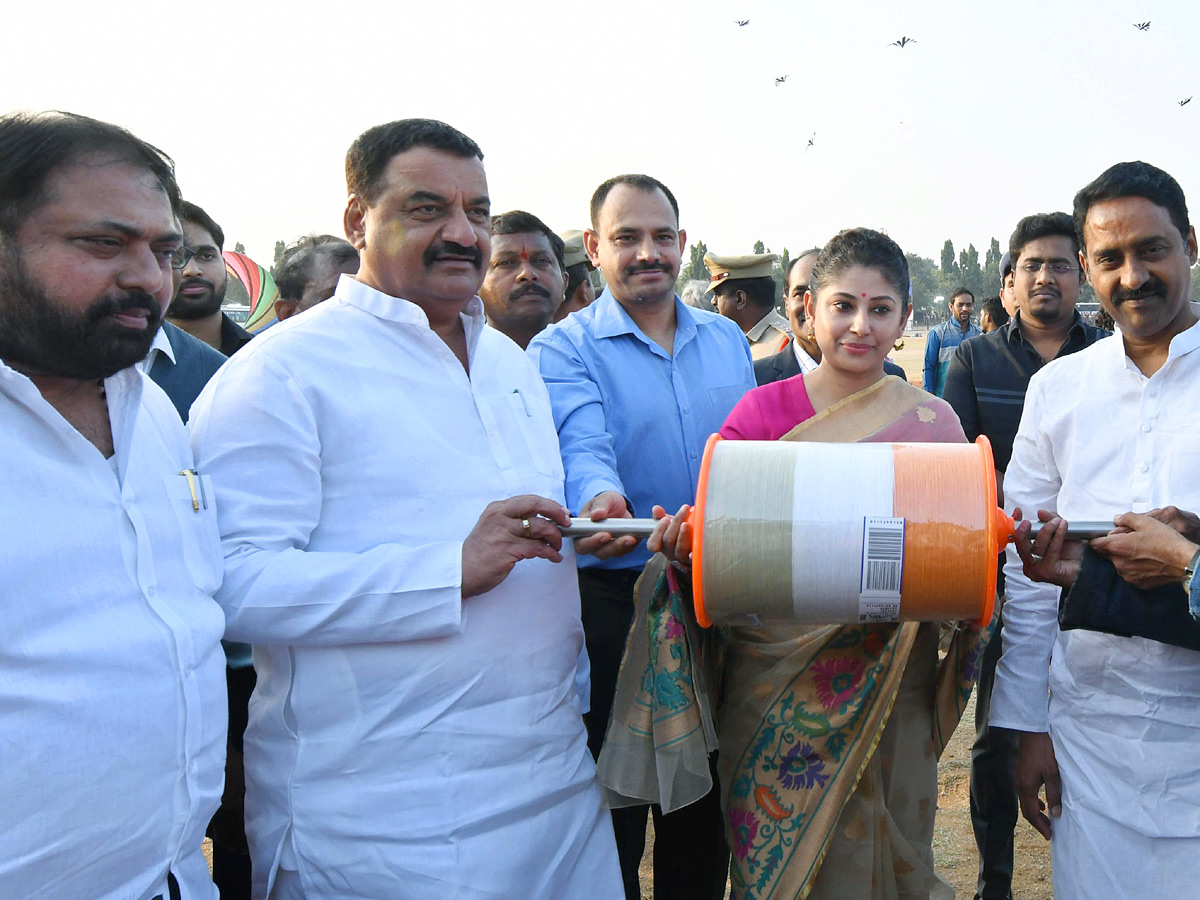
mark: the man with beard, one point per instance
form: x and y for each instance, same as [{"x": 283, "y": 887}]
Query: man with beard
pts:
[
  {"x": 986, "y": 385},
  {"x": 390, "y": 494},
  {"x": 112, "y": 702},
  {"x": 196, "y": 307},
  {"x": 943, "y": 339},
  {"x": 524, "y": 283},
  {"x": 1107, "y": 722},
  {"x": 800, "y": 352},
  {"x": 638, "y": 381}
]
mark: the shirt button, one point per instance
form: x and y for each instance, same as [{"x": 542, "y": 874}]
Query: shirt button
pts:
[
  {"x": 151, "y": 592},
  {"x": 685, "y": 411},
  {"x": 1145, "y": 428},
  {"x": 1143, "y": 468}
]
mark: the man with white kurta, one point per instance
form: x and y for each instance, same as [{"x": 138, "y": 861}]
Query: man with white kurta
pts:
[
  {"x": 390, "y": 489},
  {"x": 1108, "y": 723},
  {"x": 112, "y": 689}
]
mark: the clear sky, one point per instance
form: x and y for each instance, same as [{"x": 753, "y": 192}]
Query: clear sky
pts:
[{"x": 996, "y": 111}]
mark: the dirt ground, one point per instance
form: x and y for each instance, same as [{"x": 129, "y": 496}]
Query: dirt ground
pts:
[{"x": 911, "y": 357}]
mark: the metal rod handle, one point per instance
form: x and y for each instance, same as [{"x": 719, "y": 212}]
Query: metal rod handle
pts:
[
  {"x": 1076, "y": 531},
  {"x": 1079, "y": 531},
  {"x": 616, "y": 527}
]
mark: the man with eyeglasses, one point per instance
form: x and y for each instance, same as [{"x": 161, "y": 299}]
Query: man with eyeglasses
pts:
[
  {"x": 196, "y": 306},
  {"x": 177, "y": 362},
  {"x": 986, "y": 385}
]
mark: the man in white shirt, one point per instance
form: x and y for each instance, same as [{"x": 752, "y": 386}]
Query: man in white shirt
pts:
[
  {"x": 1108, "y": 724},
  {"x": 415, "y": 730},
  {"x": 112, "y": 693}
]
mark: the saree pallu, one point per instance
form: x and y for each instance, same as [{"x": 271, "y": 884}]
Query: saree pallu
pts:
[{"x": 825, "y": 793}]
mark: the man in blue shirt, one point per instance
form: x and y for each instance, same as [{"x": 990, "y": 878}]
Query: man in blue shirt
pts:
[
  {"x": 638, "y": 381},
  {"x": 944, "y": 339}
]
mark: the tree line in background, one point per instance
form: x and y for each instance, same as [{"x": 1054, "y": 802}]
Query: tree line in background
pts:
[{"x": 930, "y": 279}]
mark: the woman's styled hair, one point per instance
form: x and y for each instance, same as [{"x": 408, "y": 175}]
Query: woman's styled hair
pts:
[{"x": 868, "y": 249}]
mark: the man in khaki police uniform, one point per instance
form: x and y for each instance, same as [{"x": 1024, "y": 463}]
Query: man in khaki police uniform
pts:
[{"x": 745, "y": 292}]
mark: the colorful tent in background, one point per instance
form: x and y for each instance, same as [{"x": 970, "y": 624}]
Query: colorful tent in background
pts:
[{"x": 251, "y": 285}]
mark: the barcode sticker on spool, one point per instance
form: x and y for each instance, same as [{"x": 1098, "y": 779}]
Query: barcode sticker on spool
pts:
[{"x": 882, "y": 569}]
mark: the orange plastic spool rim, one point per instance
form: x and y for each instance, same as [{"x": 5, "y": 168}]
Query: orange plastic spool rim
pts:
[
  {"x": 992, "y": 514},
  {"x": 696, "y": 520}
]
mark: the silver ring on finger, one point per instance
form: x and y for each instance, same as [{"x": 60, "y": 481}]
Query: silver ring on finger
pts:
[{"x": 525, "y": 528}]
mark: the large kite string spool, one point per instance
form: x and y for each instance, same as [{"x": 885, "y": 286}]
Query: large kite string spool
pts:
[{"x": 841, "y": 533}]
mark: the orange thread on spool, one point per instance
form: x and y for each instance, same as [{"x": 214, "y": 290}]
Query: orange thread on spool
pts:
[
  {"x": 938, "y": 491},
  {"x": 696, "y": 520}
]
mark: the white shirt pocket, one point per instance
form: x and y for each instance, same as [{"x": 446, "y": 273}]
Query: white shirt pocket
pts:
[
  {"x": 535, "y": 422},
  {"x": 195, "y": 506}
]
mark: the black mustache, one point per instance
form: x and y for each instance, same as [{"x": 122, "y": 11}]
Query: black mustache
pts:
[
  {"x": 530, "y": 288},
  {"x": 1152, "y": 286},
  {"x": 109, "y": 305},
  {"x": 647, "y": 267},
  {"x": 195, "y": 280},
  {"x": 449, "y": 248}
]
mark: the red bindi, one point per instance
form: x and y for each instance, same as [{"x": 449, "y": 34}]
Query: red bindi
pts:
[
  {"x": 525, "y": 258},
  {"x": 864, "y": 294}
]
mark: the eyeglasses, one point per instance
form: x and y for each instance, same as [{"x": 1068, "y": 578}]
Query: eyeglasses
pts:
[
  {"x": 181, "y": 256},
  {"x": 1033, "y": 266}
]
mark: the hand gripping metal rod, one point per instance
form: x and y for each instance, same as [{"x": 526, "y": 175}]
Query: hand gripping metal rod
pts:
[{"x": 616, "y": 527}]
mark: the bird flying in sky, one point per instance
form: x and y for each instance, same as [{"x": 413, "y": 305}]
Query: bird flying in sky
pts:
[
  {"x": 1185, "y": 102},
  {"x": 1142, "y": 26},
  {"x": 810, "y": 141},
  {"x": 903, "y": 42},
  {"x": 743, "y": 22},
  {"x": 780, "y": 80}
]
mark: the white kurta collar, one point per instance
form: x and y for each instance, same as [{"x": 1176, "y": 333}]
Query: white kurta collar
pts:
[{"x": 396, "y": 309}]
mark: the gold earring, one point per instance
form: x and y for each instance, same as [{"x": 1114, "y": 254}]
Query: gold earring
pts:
[
  {"x": 899, "y": 345},
  {"x": 811, "y": 335}
]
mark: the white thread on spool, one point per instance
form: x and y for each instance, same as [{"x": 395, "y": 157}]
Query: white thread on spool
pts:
[{"x": 834, "y": 491}]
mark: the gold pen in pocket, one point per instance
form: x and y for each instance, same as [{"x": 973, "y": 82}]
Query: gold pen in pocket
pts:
[{"x": 190, "y": 475}]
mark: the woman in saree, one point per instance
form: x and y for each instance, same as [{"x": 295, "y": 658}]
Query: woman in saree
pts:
[{"x": 829, "y": 736}]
